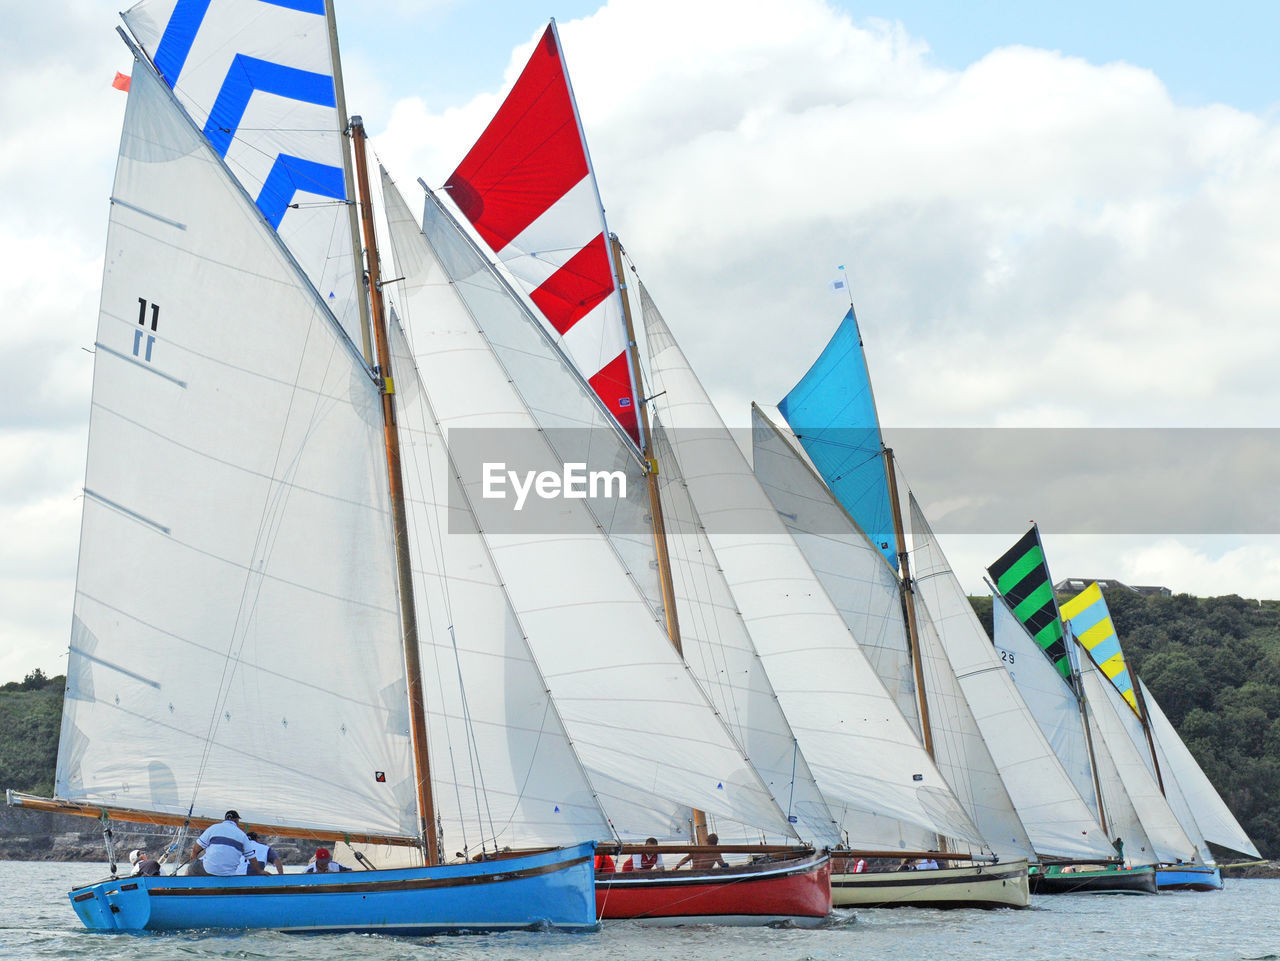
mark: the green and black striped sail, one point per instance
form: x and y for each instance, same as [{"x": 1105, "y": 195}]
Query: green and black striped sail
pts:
[{"x": 1022, "y": 578}]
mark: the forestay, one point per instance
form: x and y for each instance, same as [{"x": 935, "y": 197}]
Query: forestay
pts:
[
  {"x": 633, "y": 711},
  {"x": 860, "y": 748},
  {"x": 235, "y": 638},
  {"x": 1058, "y": 822},
  {"x": 260, "y": 79}
]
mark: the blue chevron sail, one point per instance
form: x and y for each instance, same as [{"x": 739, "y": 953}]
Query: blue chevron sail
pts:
[
  {"x": 257, "y": 76},
  {"x": 833, "y": 413}
]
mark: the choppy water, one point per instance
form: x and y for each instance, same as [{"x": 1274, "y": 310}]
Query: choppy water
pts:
[{"x": 1241, "y": 923}]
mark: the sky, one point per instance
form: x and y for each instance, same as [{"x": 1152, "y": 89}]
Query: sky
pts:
[{"x": 1050, "y": 219}]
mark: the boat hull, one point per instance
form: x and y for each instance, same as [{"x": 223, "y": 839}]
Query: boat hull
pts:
[
  {"x": 795, "y": 891},
  {"x": 547, "y": 889},
  {"x": 1188, "y": 877},
  {"x": 1001, "y": 885},
  {"x": 1110, "y": 881}
]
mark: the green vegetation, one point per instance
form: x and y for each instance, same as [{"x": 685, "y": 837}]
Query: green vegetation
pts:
[
  {"x": 30, "y": 715},
  {"x": 1213, "y": 663}
]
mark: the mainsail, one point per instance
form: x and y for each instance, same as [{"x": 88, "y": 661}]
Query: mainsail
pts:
[
  {"x": 854, "y": 572},
  {"x": 234, "y": 636},
  {"x": 528, "y": 189}
]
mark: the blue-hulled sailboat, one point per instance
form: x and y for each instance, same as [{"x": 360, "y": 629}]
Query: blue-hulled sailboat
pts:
[{"x": 245, "y": 625}]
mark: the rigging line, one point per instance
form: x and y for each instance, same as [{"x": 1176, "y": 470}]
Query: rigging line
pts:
[
  {"x": 435, "y": 540},
  {"x": 473, "y": 750},
  {"x": 231, "y": 662}
]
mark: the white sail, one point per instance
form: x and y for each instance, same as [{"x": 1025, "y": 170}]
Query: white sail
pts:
[
  {"x": 1212, "y": 816},
  {"x": 1168, "y": 841},
  {"x": 261, "y": 80},
  {"x": 236, "y": 636},
  {"x": 1058, "y": 822},
  {"x": 865, "y": 589},
  {"x": 631, "y": 707},
  {"x": 1118, "y": 810},
  {"x": 860, "y": 748},
  {"x": 503, "y": 770},
  {"x": 961, "y": 751},
  {"x": 1052, "y": 702},
  {"x": 853, "y": 571},
  {"x": 719, "y": 651}
]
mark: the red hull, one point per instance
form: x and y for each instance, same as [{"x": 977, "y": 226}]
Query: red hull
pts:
[{"x": 751, "y": 894}]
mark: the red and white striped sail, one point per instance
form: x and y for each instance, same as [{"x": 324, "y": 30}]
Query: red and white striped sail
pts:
[{"x": 528, "y": 188}]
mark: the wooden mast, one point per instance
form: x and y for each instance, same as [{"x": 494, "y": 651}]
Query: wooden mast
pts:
[
  {"x": 395, "y": 481},
  {"x": 655, "y": 500},
  {"x": 908, "y": 596},
  {"x": 1146, "y": 726}
]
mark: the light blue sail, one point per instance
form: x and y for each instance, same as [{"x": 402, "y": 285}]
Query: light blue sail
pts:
[{"x": 833, "y": 413}]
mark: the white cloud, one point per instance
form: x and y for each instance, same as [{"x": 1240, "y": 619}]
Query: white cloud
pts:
[{"x": 1034, "y": 239}]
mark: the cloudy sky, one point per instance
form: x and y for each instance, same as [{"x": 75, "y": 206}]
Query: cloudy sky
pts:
[{"x": 1067, "y": 221}]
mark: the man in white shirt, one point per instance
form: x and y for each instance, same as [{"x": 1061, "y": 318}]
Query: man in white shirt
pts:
[{"x": 221, "y": 849}]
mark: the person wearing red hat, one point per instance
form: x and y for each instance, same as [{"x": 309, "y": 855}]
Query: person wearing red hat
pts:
[{"x": 323, "y": 863}]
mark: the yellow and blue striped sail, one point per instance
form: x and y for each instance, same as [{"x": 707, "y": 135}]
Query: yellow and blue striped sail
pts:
[{"x": 1090, "y": 621}]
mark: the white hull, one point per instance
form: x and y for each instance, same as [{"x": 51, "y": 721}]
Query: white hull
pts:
[{"x": 974, "y": 886}]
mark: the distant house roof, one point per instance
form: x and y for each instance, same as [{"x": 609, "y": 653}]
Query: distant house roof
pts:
[{"x": 1074, "y": 585}]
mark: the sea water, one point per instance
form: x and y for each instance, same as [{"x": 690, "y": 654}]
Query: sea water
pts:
[{"x": 1240, "y": 923}]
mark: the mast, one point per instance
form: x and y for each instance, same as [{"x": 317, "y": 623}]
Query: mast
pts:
[
  {"x": 348, "y": 179},
  {"x": 395, "y": 482},
  {"x": 908, "y": 595},
  {"x": 1146, "y": 729},
  {"x": 651, "y": 478}
]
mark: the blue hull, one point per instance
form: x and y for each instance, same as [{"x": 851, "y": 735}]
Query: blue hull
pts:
[
  {"x": 549, "y": 889},
  {"x": 1188, "y": 878}
]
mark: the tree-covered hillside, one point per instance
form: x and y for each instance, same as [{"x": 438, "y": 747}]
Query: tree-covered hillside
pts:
[
  {"x": 1213, "y": 663},
  {"x": 30, "y": 714}
]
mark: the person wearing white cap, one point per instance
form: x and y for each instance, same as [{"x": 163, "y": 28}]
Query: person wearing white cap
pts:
[
  {"x": 143, "y": 864},
  {"x": 221, "y": 849}
]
